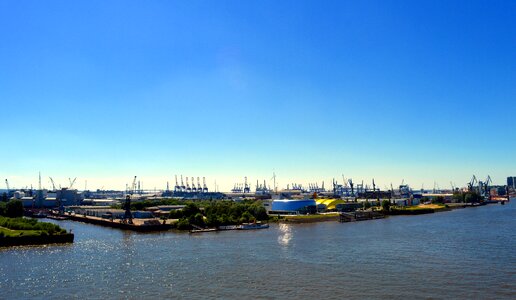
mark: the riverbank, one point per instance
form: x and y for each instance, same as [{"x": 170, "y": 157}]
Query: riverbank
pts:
[
  {"x": 310, "y": 218},
  {"x": 28, "y": 240}
]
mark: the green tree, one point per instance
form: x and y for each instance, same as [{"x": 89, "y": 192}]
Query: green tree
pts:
[
  {"x": 458, "y": 197},
  {"x": 191, "y": 210},
  {"x": 386, "y": 205},
  {"x": 247, "y": 217},
  {"x": 3, "y": 208},
  {"x": 367, "y": 205},
  {"x": 438, "y": 200},
  {"x": 14, "y": 209},
  {"x": 183, "y": 224},
  {"x": 472, "y": 197}
]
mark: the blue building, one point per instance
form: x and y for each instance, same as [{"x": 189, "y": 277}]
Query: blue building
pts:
[{"x": 290, "y": 206}]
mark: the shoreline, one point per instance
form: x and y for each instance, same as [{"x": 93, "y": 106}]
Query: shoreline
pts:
[{"x": 12, "y": 241}]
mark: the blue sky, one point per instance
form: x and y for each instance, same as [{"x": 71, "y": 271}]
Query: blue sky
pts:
[{"x": 104, "y": 90}]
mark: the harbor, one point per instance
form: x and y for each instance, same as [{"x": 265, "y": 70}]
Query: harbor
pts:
[
  {"x": 192, "y": 206},
  {"x": 454, "y": 250}
]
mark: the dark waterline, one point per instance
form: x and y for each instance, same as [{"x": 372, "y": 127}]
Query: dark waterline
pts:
[{"x": 466, "y": 253}]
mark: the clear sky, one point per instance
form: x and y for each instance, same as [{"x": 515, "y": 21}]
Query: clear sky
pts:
[{"x": 104, "y": 90}]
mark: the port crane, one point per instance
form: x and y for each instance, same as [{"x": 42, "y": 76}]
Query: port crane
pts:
[
  {"x": 53, "y": 184},
  {"x": 204, "y": 186},
  {"x": 247, "y": 188},
  {"x": 177, "y": 187},
  {"x": 72, "y": 182},
  {"x": 484, "y": 186},
  {"x": 188, "y": 189},
  {"x": 350, "y": 181},
  {"x": 472, "y": 183},
  {"x": 199, "y": 188},
  {"x": 194, "y": 189},
  {"x": 183, "y": 188}
]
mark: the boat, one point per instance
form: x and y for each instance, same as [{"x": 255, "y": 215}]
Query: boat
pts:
[
  {"x": 39, "y": 215},
  {"x": 249, "y": 226},
  {"x": 228, "y": 227},
  {"x": 203, "y": 230},
  {"x": 58, "y": 217}
]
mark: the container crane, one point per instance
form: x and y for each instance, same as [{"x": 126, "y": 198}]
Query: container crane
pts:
[
  {"x": 247, "y": 188},
  {"x": 199, "y": 188},
  {"x": 194, "y": 189},
  {"x": 188, "y": 189},
  {"x": 204, "y": 186},
  {"x": 183, "y": 187},
  {"x": 350, "y": 181},
  {"x": 177, "y": 187}
]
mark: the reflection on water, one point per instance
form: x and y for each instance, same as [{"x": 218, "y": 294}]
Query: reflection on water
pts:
[{"x": 285, "y": 234}]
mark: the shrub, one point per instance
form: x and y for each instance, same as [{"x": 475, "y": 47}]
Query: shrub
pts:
[
  {"x": 386, "y": 205},
  {"x": 183, "y": 224}
]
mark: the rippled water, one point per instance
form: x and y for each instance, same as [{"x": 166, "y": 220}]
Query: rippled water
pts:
[{"x": 468, "y": 253}]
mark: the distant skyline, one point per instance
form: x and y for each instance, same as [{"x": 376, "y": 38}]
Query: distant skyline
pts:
[{"x": 417, "y": 90}]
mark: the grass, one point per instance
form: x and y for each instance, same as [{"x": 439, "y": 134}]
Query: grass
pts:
[
  {"x": 27, "y": 227},
  {"x": 15, "y": 233}
]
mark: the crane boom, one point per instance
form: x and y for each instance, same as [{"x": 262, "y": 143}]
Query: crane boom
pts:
[
  {"x": 53, "y": 184},
  {"x": 72, "y": 182}
]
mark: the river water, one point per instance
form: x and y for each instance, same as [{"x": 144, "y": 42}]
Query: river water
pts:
[{"x": 464, "y": 253}]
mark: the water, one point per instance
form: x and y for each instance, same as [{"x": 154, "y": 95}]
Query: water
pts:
[{"x": 467, "y": 253}]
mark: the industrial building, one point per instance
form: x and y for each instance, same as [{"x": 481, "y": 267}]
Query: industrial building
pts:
[
  {"x": 511, "y": 182},
  {"x": 293, "y": 206}
]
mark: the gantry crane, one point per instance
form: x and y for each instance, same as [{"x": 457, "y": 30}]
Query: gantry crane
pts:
[{"x": 204, "y": 186}]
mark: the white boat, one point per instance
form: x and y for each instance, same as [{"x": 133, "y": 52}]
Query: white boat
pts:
[{"x": 257, "y": 225}]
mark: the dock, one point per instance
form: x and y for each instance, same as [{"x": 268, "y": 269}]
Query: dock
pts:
[
  {"x": 359, "y": 216},
  {"x": 138, "y": 225}
]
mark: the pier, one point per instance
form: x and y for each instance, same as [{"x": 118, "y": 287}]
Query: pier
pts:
[
  {"x": 138, "y": 225},
  {"x": 360, "y": 216}
]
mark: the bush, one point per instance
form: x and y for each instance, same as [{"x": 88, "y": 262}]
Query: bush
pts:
[
  {"x": 30, "y": 224},
  {"x": 183, "y": 224}
]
